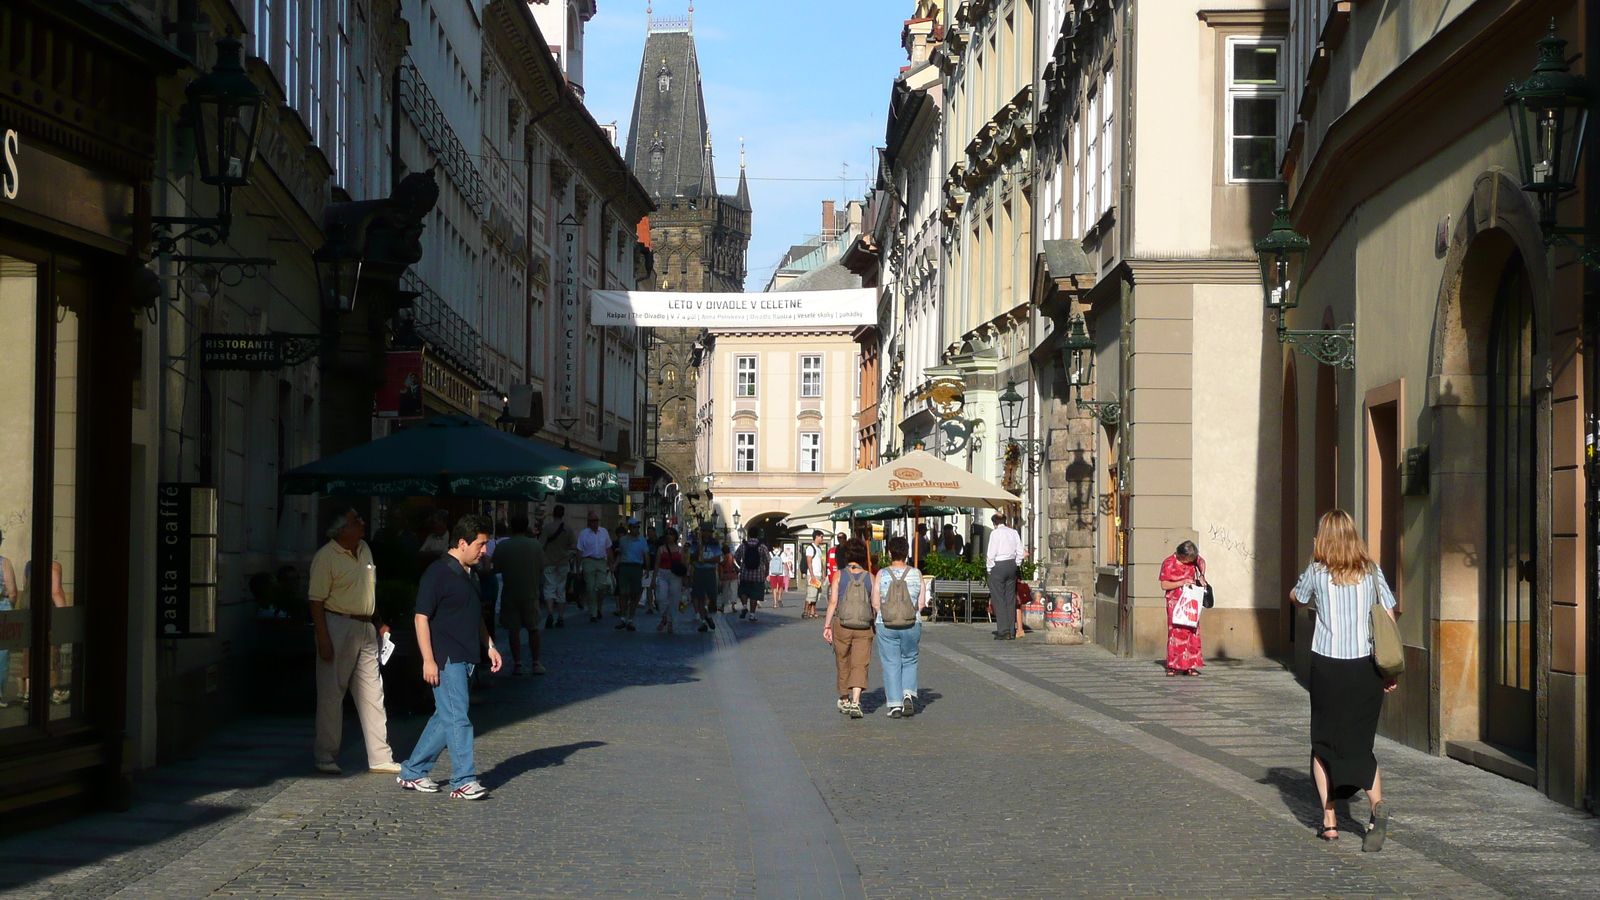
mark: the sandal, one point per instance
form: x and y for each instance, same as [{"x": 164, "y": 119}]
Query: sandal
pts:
[
  {"x": 1328, "y": 833},
  {"x": 1377, "y": 829}
]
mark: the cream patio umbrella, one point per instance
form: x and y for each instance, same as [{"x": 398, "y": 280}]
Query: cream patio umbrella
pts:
[
  {"x": 920, "y": 477},
  {"x": 817, "y": 509}
]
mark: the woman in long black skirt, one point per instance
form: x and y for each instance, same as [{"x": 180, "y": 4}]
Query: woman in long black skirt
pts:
[{"x": 1341, "y": 584}]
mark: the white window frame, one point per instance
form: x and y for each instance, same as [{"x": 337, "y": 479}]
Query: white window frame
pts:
[
  {"x": 810, "y": 379},
  {"x": 744, "y": 451},
  {"x": 1091, "y": 163},
  {"x": 1233, "y": 91},
  {"x": 1108, "y": 143},
  {"x": 743, "y": 387},
  {"x": 810, "y": 452},
  {"x": 1075, "y": 150}
]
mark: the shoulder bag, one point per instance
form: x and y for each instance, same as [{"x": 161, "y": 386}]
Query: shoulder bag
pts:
[{"x": 1388, "y": 652}]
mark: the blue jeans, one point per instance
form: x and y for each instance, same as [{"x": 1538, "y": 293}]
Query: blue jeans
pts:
[
  {"x": 449, "y": 727},
  {"x": 897, "y": 655}
]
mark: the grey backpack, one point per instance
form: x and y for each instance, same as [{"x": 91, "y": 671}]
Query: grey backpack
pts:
[
  {"x": 896, "y": 607},
  {"x": 855, "y": 602}
]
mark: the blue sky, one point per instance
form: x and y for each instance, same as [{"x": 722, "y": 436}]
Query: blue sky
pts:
[{"x": 805, "y": 84}]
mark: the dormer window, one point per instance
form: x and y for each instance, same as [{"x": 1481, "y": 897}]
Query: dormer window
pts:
[
  {"x": 658, "y": 155},
  {"x": 664, "y": 78}
]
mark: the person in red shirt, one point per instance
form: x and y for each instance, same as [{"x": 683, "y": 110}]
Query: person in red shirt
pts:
[{"x": 833, "y": 555}]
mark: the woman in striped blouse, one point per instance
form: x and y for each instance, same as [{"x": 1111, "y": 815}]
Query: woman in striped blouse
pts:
[{"x": 1341, "y": 584}]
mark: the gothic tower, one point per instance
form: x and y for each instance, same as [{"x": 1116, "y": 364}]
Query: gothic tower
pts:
[{"x": 700, "y": 237}]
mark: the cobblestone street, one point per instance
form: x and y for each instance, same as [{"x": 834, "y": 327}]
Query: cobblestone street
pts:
[{"x": 716, "y": 766}]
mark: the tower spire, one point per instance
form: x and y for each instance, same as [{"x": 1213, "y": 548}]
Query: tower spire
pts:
[{"x": 743, "y": 194}]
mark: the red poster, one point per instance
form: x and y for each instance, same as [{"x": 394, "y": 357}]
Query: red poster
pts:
[{"x": 401, "y": 394}]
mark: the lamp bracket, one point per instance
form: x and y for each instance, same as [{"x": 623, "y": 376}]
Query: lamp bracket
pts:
[
  {"x": 230, "y": 270},
  {"x": 1332, "y": 347},
  {"x": 1587, "y": 252},
  {"x": 1109, "y": 412},
  {"x": 209, "y": 231}
]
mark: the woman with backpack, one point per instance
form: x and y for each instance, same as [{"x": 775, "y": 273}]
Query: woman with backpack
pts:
[
  {"x": 855, "y": 602},
  {"x": 899, "y": 629}
]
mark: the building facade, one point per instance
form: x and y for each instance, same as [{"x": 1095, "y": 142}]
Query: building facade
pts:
[
  {"x": 1457, "y": 438},
  {"x": 777, "y": 408},
  {"x": 148, "y": 264}
]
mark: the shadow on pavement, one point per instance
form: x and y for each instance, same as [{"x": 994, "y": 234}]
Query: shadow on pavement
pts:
[
  {"x": 531, "y": 760},
  {"x": 1299, "y": 795}
]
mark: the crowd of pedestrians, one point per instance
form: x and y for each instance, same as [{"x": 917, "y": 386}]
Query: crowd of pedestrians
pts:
[{"x": 529, "y": 573}]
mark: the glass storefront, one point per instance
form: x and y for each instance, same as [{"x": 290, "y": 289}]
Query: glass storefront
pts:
[
  {"x": 19, "y": 303},
  {"x": 42, "y": 615}
]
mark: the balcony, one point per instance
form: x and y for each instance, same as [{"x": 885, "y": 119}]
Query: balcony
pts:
[{"x": 430, "y": 321}]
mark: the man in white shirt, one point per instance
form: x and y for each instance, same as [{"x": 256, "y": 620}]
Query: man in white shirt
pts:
[
  {"x": 595, "y": 553},
  {"x": 1005, "y": 555}
]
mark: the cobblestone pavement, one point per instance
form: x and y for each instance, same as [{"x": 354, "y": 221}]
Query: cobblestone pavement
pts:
[{"x": 715, "y": 765}]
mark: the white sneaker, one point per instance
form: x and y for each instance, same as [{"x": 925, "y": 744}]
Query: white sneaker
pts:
[
  {"x": 423, "y": 785},
  {"x": 469, "y": 791},
  {"x": 329, "y": 768},
  {"x": 388, "y": 768}
]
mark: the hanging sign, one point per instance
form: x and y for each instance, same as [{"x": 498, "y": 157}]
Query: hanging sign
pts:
[
  {"x": 256, "y": 352},
  {"x": 773, "y": 309},
  {"x": 401, "y": 394},
  {"x": 186, "y": 554},
  {"x": 569, "y": 315}
]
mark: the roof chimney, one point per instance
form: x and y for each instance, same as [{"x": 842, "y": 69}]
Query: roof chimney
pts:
[{"x": 830, "y": 223}]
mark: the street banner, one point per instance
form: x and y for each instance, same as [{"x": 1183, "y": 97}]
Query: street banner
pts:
[{"x": 774, "y": 309}]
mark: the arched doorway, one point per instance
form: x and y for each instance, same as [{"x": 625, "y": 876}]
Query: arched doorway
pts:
[{"x": 1511, "y": 535}]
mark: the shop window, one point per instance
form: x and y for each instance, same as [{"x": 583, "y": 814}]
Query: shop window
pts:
[
  {"x": 19, "y": 302},
  {"x": 67, "y": 614}
]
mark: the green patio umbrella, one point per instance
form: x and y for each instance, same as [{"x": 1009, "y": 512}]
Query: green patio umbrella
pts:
[{"x": 459, "y": 456}]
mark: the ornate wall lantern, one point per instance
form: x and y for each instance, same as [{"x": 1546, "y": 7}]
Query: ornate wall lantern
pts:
[
  {"x": 224, "y": 112},
  {"x": 1282, "y": 256},
  {"x": 1010, "y": 408},
  {"x": 338, "y": 270},
  {"x": 1077, "y": 360},
  {"x": 1549, "y": 121}
]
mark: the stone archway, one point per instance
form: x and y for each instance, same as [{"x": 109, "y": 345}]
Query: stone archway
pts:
[{"x": 1497, "y": 233}]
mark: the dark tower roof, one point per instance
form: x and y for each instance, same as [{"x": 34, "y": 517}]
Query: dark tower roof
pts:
[{"x": 668, "y": 140}]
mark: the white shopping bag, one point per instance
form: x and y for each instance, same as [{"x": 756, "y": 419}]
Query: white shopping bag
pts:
[{"x": 1186, "y": 612}]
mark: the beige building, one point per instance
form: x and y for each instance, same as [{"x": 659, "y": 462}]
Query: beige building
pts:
[
  {"x": 777, "y": 413},
  {"x": 1157, "y": 142},
  {"x": 1457, "y": 439}
]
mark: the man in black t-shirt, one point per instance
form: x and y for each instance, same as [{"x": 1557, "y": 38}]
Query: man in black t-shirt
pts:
[{"x": 450, "y": 629}]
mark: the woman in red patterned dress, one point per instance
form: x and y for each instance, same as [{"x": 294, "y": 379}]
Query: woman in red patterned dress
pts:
[{"x": 1183, "y": 567}]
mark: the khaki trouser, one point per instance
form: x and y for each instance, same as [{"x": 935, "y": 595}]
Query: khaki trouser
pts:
[
  {"x": 355, "y": 670},
  {"x": 594, "y": 572},
  {"x": 852, "y": 652}
]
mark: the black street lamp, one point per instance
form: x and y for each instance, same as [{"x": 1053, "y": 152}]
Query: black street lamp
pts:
[
  {"x": 1282, "y": 256},
  {"x": 338, "y": 265},
  {"x": 736, "y": 529},
  {"x": 505, "y": 421},
  {"x": 1549, "y": 121},
  {"x": 1077, "y": 360},
  {"x": 224, "y": 112},
  {"x": 225, "y": 109},
  {"x": 1010, "y": 408}
]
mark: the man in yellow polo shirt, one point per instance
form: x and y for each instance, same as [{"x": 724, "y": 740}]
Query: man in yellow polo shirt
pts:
[{"x": 343, "y": 606}]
